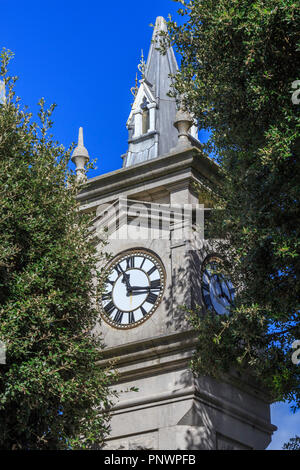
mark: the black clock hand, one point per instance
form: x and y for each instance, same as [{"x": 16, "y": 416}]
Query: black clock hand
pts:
[
  {"x": 223, "y": 294},
  {"x": 138, "y": 291},
  {"x": 134, "y": 294},
  {"x": 140, "y": 288},
  {"x": 126, "y": 280},
  {"x": 147, "y": 288}
]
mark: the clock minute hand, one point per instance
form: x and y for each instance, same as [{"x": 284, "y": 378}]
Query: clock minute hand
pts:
[
  {"x": 134, "y": 294},
  {"x": 140, "y": 288},
  {"x": 146, "y": 288}
]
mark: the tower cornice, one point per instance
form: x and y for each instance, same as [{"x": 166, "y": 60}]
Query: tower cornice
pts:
[{"x": 158, "y": 174}]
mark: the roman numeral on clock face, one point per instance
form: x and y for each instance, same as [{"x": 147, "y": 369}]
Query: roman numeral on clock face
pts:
[
  {"x": 205, "y": 286},
  {"x": 131, "y": 318},
  {"x": 118, "y": 269},
  {"x": 130, "y": 262},
  {"x": 144, "y": 312},
  {"x": 152, "y": 270},
  {"x": 155, "y": 285},
  {"x": 109, "y": 308},
  {"x": 152, "y": 298},
  {"x": 118, "y": 317},
  {"x": 107, "y": 296}
]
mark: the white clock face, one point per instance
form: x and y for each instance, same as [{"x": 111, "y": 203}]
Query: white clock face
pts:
[
  {"x": 133, "y": 288},
  {"x": 218, "y": 292}
]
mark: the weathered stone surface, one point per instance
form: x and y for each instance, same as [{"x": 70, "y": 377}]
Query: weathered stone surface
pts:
[{"x": 172, "y": 409}]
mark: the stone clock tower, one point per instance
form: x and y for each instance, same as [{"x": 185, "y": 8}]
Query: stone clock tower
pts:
[{"x": 149, "y": 211}]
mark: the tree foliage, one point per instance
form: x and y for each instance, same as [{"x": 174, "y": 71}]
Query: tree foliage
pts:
[
  {"x": 293, "y": 444},
  {"x": 240, "y": 63},
  {"x": 52, "y": 393}
]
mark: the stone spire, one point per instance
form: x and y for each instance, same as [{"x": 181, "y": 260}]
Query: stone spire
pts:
[
  {"x": 80, "y": 157},
  {"x": 158, "y": 66},
  {"x": 150, "y": 124}
]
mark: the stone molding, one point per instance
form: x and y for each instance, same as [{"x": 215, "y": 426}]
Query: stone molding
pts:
[{"x": 190, "y": 163}]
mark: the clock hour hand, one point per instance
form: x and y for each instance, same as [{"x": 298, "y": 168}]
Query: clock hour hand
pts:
[{"x": 126, "y": 280}]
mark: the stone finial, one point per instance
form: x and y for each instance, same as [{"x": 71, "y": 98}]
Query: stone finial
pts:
[
  {"x": 80, "y": 157},
  {"x": 2, "y": 92},
  {"x": 142, "y": 65},
  {"x": 183, "y": 123}
]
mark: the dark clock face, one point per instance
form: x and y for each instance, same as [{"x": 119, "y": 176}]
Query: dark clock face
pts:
[
  {"x": 133, "y": 288},
  {"x": 217, "y": 290}
]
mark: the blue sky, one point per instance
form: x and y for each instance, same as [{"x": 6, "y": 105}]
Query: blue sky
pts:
[{"x": 84, "y": 56}]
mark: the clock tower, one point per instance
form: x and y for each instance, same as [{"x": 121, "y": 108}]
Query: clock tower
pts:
[{"x": 150, "y": 213}]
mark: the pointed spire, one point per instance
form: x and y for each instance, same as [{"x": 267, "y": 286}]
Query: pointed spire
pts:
[
  {"x": 154, "y": 123},
  {"x": 80, "y": 157},
  {"x": 80, "y": 137},
  {"x": 155, "y": 58}
]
